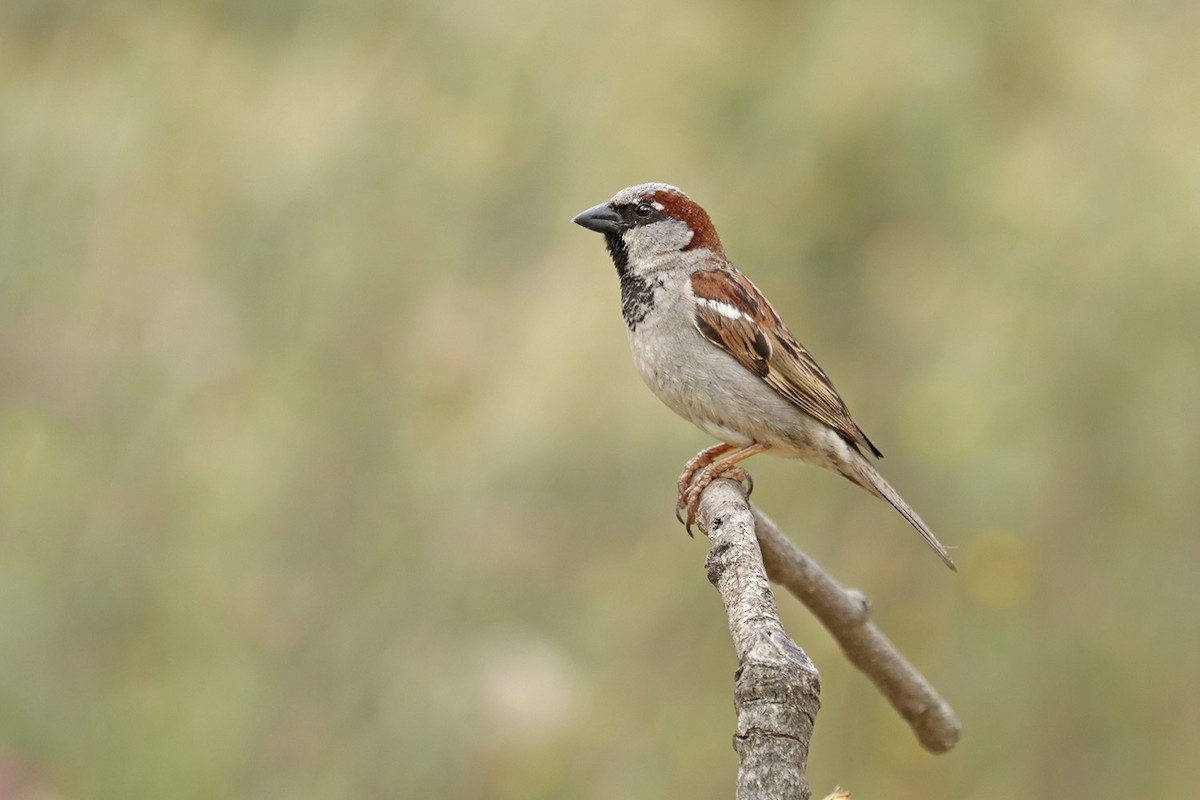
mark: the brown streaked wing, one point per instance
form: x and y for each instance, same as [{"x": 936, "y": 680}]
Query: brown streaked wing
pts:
[{"x": 759, "y": 340}]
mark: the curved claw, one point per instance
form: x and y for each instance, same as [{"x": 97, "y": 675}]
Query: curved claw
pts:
[
  {"x": 689, "y": 501},
  {"x": 703, "y": 470},
  {"x": 686, "y": 522}
]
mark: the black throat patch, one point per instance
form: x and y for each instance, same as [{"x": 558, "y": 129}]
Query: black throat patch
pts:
[{"x": 637, "y": 292}]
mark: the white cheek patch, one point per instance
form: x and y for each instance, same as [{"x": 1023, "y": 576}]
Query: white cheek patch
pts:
[
  {"x": 649, "y": 243},
  {"x": 724, "y": 309}
]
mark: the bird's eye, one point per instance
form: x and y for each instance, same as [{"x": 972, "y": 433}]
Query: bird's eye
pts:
[{"x": 643, "y": 210}]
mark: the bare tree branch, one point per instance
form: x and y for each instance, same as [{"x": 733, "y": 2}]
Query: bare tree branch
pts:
[
  {"x": 845, "y": 613},
  {"x": 777, "y": 693}
]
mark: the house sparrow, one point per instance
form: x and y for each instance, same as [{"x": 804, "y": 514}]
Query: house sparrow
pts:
[{"x": 708, "y": 343}]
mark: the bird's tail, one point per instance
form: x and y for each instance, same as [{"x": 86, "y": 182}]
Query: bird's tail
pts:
[{"x": 863, "y": 473}]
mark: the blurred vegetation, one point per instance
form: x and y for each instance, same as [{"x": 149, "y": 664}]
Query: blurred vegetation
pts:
[{"x": 324, "y": 471}]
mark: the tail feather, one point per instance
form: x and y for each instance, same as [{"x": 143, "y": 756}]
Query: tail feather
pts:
[{"x": 866, "y": 476}]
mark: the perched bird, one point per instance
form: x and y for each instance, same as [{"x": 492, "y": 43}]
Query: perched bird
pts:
[{"x": 708, "y": 343}]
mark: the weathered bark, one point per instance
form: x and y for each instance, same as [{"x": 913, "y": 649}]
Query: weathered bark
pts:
[
  {"x": 845, "y": 613},
  {"x": 777, "y": 691}
]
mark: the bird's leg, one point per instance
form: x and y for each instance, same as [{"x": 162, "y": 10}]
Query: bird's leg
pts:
[
  {"x": 700, "y": 461},
  {"x": 722, "y": 468}
]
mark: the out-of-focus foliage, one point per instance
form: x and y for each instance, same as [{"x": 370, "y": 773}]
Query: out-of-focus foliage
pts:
[{"x": 324, "y": 472}]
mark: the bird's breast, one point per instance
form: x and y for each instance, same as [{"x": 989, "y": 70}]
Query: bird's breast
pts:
[
  {"x": 696, "y": 380},
  {"x": 708, "y": 387}
]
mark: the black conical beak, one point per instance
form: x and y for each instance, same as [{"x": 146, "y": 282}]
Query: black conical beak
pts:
[{"x": 601, "y": 219}]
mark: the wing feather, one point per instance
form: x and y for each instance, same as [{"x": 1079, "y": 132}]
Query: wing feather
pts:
[{"x": 733, "y": 314}]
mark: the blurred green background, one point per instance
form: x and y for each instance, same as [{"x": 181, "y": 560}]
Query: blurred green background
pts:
[{"x": 324, "y": 470}]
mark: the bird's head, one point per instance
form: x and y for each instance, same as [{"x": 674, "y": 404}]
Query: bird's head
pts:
[{"x": 646, "y": 225}]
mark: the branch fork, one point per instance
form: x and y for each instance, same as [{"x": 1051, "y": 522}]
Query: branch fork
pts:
[{"x": 777, "y": 691}]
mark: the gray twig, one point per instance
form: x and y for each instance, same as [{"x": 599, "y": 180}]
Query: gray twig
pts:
[
  {"x": 845, "y": 613},
  {"x": 777, "y": 693}
]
